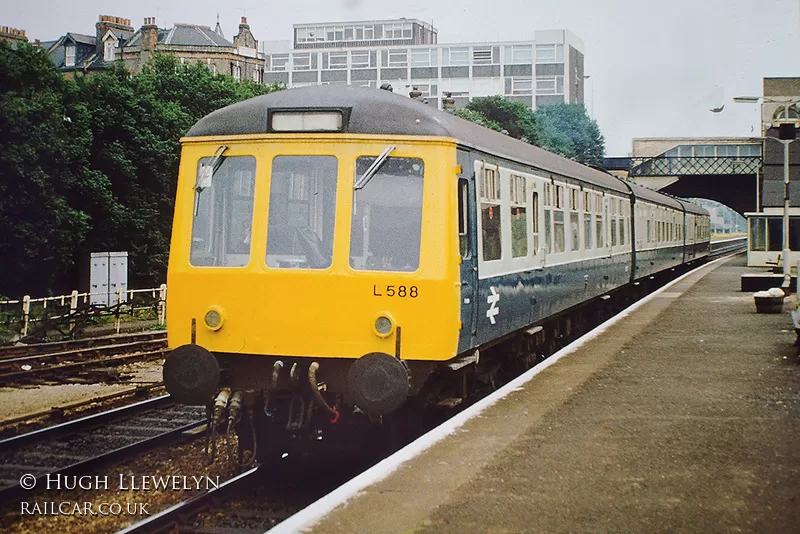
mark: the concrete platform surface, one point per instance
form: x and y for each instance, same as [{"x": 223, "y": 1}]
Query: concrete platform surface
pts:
[{"x": 683, "y": 416}]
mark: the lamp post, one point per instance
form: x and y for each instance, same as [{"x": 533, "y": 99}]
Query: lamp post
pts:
[
  {"x": 591, "y": 114},
  {"x": 787, "y": 134}
]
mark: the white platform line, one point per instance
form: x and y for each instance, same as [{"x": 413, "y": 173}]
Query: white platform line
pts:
[{"x": 315, "y": 511}]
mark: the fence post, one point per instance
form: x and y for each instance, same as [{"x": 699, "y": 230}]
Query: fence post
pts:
[
  {"x": 119, "y": 305},
  {"x": 162, "y": 304},
  {"x": 26, "y": 311}
]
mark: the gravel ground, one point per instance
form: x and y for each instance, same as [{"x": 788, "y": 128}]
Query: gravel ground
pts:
[
  {"x": 183, "y": 460},
  {"x": 17, "y": 402}
]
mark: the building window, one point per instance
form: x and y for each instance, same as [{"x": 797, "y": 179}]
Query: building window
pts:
[
  {"x": 70, "y": 61},
  {"x": 361, "y": 60},
  {"x": 482, "y": 56},
  {"x": 334, "y": 60},
  {"x": 109, "y": 51},
  {"x": 550, "y": 85},
  {"x": 454, "y": 57},
  {"x": 425, "y": 57},
  {"x": 519, "y": 54},
  {"x": 279, "y": 62},
  {"x": 397, "y": 58},
  {"x": 549, "y": 53},
  {"x": 521, "y": 86},
  {"x": 301, "y": 62},
  {"x": 236, "y": 71}
]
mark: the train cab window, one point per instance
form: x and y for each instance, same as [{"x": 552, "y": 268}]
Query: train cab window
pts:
[
  {"x": 302, "y": 207},
  {"x": 223, "y": 211},
  {"x": 463, "y": 218},
  {"x": 519, "y": 221},
  {"x": 491, "y": 227},
  {"x": 387, "y": 216}
]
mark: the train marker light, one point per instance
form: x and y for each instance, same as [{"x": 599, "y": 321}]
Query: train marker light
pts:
[
  {"x": 383, "y": 326},
  {"x": 213, "y": 319}
]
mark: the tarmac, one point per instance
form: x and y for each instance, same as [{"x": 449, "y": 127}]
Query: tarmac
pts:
[{"x": 683, "y": 416}]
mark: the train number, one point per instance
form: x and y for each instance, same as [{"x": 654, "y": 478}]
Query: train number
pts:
[{"x": 395, "y": 291}]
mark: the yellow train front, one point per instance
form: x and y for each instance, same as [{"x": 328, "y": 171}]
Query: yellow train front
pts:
[{"x": 314, "y": 266}]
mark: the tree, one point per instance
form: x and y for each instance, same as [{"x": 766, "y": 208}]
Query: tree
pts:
[
  {"x": 514, "y": 117},
  {"x": 568, "y": 130},
  {"x": 478, "y": 118},
  {"x": 137, "y": 122},
  {"x": 44, "y": 148},
  {"x": 91, "y": 164}
]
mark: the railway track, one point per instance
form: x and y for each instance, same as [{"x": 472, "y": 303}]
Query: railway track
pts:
[
  {"x": 54, "y": 361},
  {"x": 254, "y": 501},
  {"x": 93, "y": 441},
  {"x": 11, "y": 351},
  {"x": 251, "y": 503}
]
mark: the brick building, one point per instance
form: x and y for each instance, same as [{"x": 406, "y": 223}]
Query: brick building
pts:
[{"x": 116, "y": 40}]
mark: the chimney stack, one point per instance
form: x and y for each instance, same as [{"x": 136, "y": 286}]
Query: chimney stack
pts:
[
  {"x": 149, "y": 34},
  {"x": 109, "y": 22}
]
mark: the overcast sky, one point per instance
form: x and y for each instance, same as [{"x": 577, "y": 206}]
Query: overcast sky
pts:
[{"x": 656, "y": 67}]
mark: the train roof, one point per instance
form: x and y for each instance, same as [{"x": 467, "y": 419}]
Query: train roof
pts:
[{"x": 380, "y": 112}]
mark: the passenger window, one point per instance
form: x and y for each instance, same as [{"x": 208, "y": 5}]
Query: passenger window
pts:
[
  {"x": 490, "y": 215},
  {"x": 519, "y": 221},
  {"x": 386, "y": 227},
  {"x": 463, "y": 221},
  {"x": 223, "y": 212},
  {"x": 535, "y": 222},
  {"x": 302, "y": 208}
]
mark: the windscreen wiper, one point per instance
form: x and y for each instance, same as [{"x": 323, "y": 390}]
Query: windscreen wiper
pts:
[
  {"x": 373, "y": 169},
  {"x": 204, "y": 178}
]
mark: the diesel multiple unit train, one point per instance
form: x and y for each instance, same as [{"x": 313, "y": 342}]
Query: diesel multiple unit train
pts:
[{"x": 341, "y": 253}]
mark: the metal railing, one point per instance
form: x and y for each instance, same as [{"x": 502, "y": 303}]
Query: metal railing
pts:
[
  {"x": 694, "y": 165},
  {"x": 30, "y": 318}
]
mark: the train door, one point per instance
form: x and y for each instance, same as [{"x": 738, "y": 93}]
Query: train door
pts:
[{"x": 467, "y": 230}]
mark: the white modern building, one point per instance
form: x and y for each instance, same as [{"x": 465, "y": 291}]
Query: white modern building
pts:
[{"x": 405, "y": 54}]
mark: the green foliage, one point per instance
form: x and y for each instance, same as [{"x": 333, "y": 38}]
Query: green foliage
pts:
[
  {"x": 91, "y": 164},
  {"x": 514, "y": 117},
  {"x": 477, "y": 117},
  {"x": 565, "y": 129},
  {"x": 44, "y": 148},
  {"x": 568, "y": 130}
]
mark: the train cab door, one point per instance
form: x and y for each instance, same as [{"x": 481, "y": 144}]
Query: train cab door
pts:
[{"x": 467, "y": 230}]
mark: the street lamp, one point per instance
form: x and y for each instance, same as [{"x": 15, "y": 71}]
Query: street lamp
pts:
[
  {"x": 787, "y": 134},
  {"x": 591, "y": 114}
]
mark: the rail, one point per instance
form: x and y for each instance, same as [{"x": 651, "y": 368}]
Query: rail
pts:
[{"x": 29, "y": 319}]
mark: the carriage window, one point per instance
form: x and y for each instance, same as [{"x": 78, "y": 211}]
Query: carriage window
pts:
[
  {"x": 613, "y": 222},
  {"x": 223, "y": 212},
  {"x": 519, "y": 221},
  {"x": 599, "y": 221},
  {"x": 463, "y": 214},
  {"x": 574, "y": 219},
  {"x": 490, "y": 215},
  {"x": 302, "y": 206},
  {"x": 535, "y": 221},
  {"x": 387, "y": 216}
]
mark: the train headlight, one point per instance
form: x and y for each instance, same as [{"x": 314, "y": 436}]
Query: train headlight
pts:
[
  {"x": 383, "y": 325},
  {"x": 213, "y": 319}
]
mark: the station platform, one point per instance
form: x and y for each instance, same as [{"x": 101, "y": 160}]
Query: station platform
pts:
[{"x": 682, "y": 416}]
